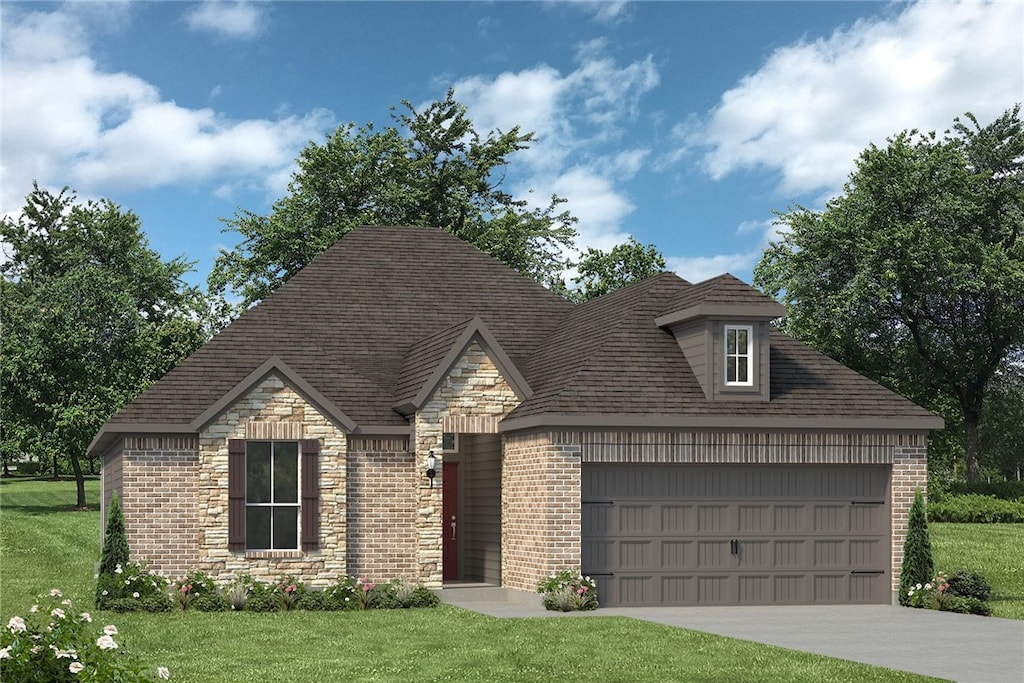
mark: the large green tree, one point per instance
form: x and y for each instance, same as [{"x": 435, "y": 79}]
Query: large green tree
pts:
[
  {"x": 601, "y": 272},
  {"x": 91, "y": 315},
  {"x": 915, "y": 274},
  {"x": 431, "y": 168}
]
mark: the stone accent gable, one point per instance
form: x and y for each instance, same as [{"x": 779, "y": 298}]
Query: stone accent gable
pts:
[
  {"x": 474, "y": 388},
  {"x": 271, "y": 410}
]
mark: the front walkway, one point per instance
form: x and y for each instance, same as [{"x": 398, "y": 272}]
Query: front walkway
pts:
[{"x": 961, "y": 647}]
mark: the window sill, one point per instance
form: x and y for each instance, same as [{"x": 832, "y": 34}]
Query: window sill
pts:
[{"x": 273, "y": 554}]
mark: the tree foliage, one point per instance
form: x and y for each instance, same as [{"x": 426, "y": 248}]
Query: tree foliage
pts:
[
  {"x": 601, "y": 272},
  {"x": 91, "y": 315},
  {"x": 915, "y": 275},
  {"x": 431, "y": 168},
  {"x": 918, "y": 564}
]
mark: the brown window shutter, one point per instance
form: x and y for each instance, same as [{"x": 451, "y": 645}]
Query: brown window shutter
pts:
[
  {"x": 310, "y": 494},
  {"x": 236, "y": 494}
]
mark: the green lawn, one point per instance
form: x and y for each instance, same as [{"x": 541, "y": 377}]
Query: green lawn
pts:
[
  {"x": 45, "y": 543},
  {"x": 994, "y": 550}
]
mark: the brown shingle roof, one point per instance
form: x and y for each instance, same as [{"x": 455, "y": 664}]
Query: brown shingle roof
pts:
[{"x": 366, "y": 324}]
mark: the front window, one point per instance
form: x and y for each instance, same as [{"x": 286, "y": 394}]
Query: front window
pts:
[
  {"x": 738, "y": 356},
  {"x": 272, "y": 495}
]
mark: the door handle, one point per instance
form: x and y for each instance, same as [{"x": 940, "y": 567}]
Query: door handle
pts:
[
  {"x": 734, "y": 547},
  {"x": 453, "y": 528}
]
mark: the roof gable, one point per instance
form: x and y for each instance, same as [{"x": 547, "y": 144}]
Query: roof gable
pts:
[{"x": 430, "y": 361}]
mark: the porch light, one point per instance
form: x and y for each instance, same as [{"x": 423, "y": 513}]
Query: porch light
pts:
[{"x": 431, "y": 462}]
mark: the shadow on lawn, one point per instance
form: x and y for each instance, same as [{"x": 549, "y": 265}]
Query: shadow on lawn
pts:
[{"x": 36, "y": 509}]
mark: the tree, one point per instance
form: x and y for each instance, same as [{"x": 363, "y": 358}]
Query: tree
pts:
[
  {"x": 918, "y": 565},
  {"x": 915, "y": 275},
  {"x": 601, "y": 272},
  {"x": 115, "y": 549},
  {"x": 431, "y": 168},
  {"x": 91, "y": 316}
]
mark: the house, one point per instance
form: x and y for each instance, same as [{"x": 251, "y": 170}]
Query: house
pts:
[{"x": 664, "y": 438}]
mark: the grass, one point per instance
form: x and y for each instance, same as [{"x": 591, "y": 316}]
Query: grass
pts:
[
  {"x": 993, "y": 550},
  {"x": 45, "y": 543}
]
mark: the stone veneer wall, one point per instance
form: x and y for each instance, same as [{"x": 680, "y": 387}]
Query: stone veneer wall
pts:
[
  {"x": 271, "y": 410},
  {"x": 158, "y": 497},
  {"x": 382, "y": 492},
  {"x": 540, "y": 500},
  {"x": 474, "y": 388}
]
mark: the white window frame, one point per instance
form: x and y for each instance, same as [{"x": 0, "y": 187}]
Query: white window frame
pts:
[
  {"x": 747, "y": 355},
  {"x": 297, "y": 505}
]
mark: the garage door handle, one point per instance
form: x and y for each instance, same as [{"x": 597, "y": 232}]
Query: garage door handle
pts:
[
  {"x": 598, "y": 502},
  {"x": 734, "y": 547},
  {"x": 598, "y": 574},
  {"x": 867, "y": 502},
  {"x": 877, "y": 571}
]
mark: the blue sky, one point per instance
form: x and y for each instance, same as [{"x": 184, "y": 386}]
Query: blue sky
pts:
[{"x": 683, "y": 124}]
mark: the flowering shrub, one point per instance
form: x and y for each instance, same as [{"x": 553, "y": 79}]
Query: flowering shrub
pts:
[
  {"x": 940, "y": 594},
  {"x": 289, "y": 591},
  {"x": 57, "y": 643},
  {"x": 132, "y": 587},
  {"x": 567, "y": 591},
  {"x": 198, "y": 588}
]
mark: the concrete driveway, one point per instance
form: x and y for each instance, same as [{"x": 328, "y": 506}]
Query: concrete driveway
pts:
[{"x": 961, "y": 647}]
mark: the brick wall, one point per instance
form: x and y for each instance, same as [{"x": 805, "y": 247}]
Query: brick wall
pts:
[
  {"x": 909, "y": 472},
  {"x": 271, "y": 410},
  {"x": 474, "y": 388},
  {"x": 158, "y": 497},
  {"x": 382, "y": 485},
  {"x": 540, "y": 498}
]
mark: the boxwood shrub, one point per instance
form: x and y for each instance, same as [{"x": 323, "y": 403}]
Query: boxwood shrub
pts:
[{"x": 975, "y": 507}]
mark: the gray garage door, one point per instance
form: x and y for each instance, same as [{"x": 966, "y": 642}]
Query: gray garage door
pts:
[{"x": 736, "y": 534}]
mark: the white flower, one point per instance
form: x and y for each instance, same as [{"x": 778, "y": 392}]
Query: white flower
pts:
[
  {"x": 58, "y": 612},
  {"x": 5, "y": 653},
  {"x": 75, "y": 667},
  {"x": 86, "y": 617},
  {"x": 110, "y": 630},
  {"x": 33, "y": 609},
  {"x": 106, "y": 643},
  {"x": 66, "y": 654},
  {"x": 16, "y": 624},
  {"x": 135, "y": 594},
  {"x": 66, "y": 602},
  {"x": 163, "y": 673},
  {"x": 55, "y": 593},
  {"x": 118, "y": 570}
]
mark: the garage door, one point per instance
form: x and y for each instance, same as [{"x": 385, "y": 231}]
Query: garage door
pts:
[{"x": 736, "y": 534}]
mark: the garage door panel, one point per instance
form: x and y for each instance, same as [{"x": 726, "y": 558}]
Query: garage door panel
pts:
[{"x": 683, "y": 534}]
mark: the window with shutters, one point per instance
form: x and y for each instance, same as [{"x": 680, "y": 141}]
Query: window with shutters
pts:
[{"x": 272, "y": 495}]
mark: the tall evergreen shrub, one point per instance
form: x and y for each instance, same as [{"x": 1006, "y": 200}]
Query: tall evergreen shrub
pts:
[
  {"x": 115, "y": 546},
  {"x": 918, "y": 565}
]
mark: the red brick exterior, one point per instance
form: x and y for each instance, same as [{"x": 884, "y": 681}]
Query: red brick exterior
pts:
[{"x": 909, "y": 473}]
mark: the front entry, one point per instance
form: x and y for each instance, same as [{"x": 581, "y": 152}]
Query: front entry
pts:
[{"x": 450, "y": 524}]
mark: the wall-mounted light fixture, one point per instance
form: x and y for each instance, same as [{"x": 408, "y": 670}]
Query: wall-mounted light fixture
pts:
[{"x": 431, "y": 472}]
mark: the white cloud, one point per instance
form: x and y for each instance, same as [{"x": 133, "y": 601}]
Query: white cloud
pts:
[
  {"x": 575, "y": 116},
  {"x": 699, "y": 268},
  {"x": 66, "y": 120},
  {"x": 813, "y": 106},
  {"x": 232, "y": 20}
]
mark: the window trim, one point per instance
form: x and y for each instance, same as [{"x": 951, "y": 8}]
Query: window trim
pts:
[
  {"x": 297, "y": 505},
  {"x": 748, "y": 355}
]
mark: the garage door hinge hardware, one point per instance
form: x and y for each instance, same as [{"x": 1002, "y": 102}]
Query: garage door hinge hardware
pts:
[
  {"x": 599, "y": 502},
  {"x": 598, "y": 574},
  {"x": 867, "y": 502},
  {"x": 877, "y": 571}
]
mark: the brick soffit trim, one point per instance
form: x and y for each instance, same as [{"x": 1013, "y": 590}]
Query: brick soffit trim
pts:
[
  {"x": 476, "y": 330},
  {"x": 274, "y": 365},
  {"x": 721, "y": 422}
]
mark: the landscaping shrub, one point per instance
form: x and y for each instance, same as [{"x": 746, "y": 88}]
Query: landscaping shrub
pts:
[
  {"x": 424, "y": 597},
  {"x": 568, "y": 591},
  {"x": 262, "y": 601},
  {"x": 114, "y": 555},
  {"x": 1004, "y": 490},
  {"x": 56, "y": 643},
  {"x": 289, "y": 591},
  {"x": 969, "y": 584},
  {"x": 317, "y": 601},
  {"x": 132, "y": 581},
  {"x": 29, "y": 467},
  {"x": 237, "y": 594},
  {"x": 977, "y": 508},
  {"x": 212, "y": 602},
  {"x": 918, "y": 565}
]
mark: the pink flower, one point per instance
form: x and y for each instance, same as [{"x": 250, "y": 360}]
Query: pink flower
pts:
[
  {"x": 367, "y": 587},
  {"x": 106, "y": 643},
  {"x": 110, "y": 630},
  {"x": 75, "y": 667},
  {"x": 290, "y": 589}
]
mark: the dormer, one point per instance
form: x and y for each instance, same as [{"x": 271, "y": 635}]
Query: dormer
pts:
[{"x": 721, "y": 326}]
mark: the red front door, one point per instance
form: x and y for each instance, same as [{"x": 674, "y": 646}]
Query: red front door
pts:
[{"x": 450, "y": 512}]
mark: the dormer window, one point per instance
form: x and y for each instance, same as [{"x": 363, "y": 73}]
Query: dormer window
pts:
[{"x": 739, "y": 355}]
